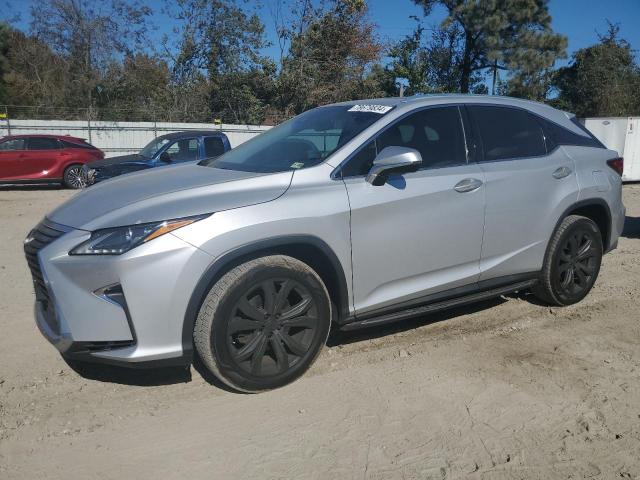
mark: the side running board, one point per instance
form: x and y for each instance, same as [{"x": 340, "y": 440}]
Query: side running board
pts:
[{"x": 437, "y": 306}]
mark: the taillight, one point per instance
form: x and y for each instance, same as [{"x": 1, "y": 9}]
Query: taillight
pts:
[{"x": 617, "y": 164}]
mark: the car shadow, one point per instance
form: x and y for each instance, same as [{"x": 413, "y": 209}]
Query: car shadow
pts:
[
  {"x": 4, "y": 187},
  {"x": 341, "y": 337},
  {"x": 631, "y": 227},
  {"x": 174, "y": 375},
  {"x": 142, "y": 377}
]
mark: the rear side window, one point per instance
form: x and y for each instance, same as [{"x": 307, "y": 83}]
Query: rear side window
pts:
[
  {"x": 15, "y": 144},
  {"x": 213, "y": 147},
  {"x": 557, "y": 135},
  {"x": 40, "y": 143},
  {"x": 508, "y": 133},
  {"x": 84, "y": 145},
  {"x": 435, "y": 132}
]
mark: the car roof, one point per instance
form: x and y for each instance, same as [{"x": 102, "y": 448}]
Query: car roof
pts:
[
  {"x": 408, "y": 103},
  {"x": 192, "y": 133},
  {"x": 440, "y": 97},
  {"x": 42, "y": 135}
]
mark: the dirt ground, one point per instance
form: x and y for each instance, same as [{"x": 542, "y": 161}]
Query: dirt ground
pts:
[{"x": 504, "y": 389}]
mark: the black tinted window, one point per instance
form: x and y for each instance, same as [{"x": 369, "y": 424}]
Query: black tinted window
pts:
[
  {"x": 557, "y": 135},
  {"x": 508, "y": 133},
  {"x": 15, "y": 144},
  {"x": 435, "y": 132},
  {"x": 184, "y": 150},
  {"x": 40, "y": 143},
  {"x": 84, "y": 145},
  {"x": 213, "y": 147},
  {"x": 361, "y": 162}
]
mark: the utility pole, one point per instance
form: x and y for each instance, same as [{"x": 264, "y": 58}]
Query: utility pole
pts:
[
  {"x": 89, "y": 123},
  {"x": 495, "y": 75},
  {"x": 6, "y": 117}
]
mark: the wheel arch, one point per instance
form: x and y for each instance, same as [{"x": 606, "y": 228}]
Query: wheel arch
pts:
[
  {"x": 595, "y": 209},
  {"x": 309, "y": 249}
]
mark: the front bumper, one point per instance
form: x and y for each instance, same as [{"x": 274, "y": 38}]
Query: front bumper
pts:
[{"x": 127, "y": 309}]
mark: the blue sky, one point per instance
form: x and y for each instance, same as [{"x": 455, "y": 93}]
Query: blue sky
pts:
[{"x": 579, "y": 20}]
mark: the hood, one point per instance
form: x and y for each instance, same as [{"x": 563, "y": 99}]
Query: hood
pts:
[
  {"x": 132, "y": 158},
  {"x": 167, "y": 193}
]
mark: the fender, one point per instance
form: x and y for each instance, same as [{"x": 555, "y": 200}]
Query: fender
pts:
[
  {"x": 587, "y": 203},
  {"x": 231, "y": 259}
]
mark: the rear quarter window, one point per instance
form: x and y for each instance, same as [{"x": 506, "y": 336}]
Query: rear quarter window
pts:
[
  {"x": 213, "y": 147},
  {"x": 83, "y": 145},
  {"x": 558, "y": 135}
]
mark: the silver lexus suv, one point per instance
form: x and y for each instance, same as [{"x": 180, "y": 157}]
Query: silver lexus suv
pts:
[{"x": 349, "y": 215}]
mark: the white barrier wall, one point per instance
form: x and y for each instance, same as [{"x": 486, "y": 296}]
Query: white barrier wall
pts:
[{"x": 120, "y": 138}]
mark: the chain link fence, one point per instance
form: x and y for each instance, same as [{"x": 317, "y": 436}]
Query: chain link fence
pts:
[{"x": 114, "y": 137}]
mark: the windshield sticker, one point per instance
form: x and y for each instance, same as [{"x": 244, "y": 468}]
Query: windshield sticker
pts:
[
  {"x": 297, "y": 165},
  {"x": 381, "y": 109}
]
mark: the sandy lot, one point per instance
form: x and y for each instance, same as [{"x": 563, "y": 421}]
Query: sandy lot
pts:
[{"x": 504, "y": 389}]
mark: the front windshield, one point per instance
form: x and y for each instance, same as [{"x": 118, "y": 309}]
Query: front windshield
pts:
[
  {"x": 303, "y": 141},
  {"x": 153, "y": 147}
]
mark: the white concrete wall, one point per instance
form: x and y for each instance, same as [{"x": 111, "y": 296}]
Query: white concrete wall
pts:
[{"x": 119, "y": 138}]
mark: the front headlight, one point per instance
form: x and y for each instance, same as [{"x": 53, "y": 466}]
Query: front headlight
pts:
[{"x": 116, "y": 241}]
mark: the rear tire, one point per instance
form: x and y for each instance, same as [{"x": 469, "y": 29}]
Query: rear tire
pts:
[
  {"x": 572, "y": 262},
  {"x": 74, "y": 177},
  {"x": 263, "y": 324}
]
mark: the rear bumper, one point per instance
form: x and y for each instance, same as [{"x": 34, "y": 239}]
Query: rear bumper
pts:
[{"x": 617, "y": 225}]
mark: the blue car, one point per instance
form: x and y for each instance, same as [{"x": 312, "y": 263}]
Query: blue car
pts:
[{"x": 171, "y": 149}]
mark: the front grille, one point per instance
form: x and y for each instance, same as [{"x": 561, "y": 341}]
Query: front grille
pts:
[{"x": 42, "y": 235}]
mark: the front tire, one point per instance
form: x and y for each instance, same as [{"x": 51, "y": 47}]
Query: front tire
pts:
[
  {"x": 572, "y": 262},
  {"x": 263, "y": 324},
  {"x": 74, "y": 177}
]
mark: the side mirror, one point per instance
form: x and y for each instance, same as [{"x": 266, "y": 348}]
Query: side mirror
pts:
[
  {"x": 165, "y": 157},
  {"x": 393, "y": 159}
]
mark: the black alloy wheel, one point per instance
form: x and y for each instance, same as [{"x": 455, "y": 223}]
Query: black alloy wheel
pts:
[
  {"x": 272, "y": 326},
  {"x": 572, "y": 262},
  {"x": 577, "y": 262},
  {"x": 263, "y": 323}
]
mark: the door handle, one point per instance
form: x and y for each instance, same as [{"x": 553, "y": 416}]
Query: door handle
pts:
[
  {"x": 561, "y": 172},
  {"x": 468, "y": 185}
]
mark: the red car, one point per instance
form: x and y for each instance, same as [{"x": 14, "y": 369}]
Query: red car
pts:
[{"x": 45, "y": 159}]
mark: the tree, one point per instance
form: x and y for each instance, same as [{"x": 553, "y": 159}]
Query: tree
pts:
[
  {"x": 4, "y": 49},
  {"x": 136, "y": 89},
  {"x": 330, "y": 60},
  {"x": 222, "y": 40},
  {"x": 602, "y": 80},
  {"x": 410, "y": 61},
  {"x": 89, "y": 35},
  {"x": 35, "y": 75},
  {"x": 431, "y": 63},
  {"x": 513, "y": 35}
]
